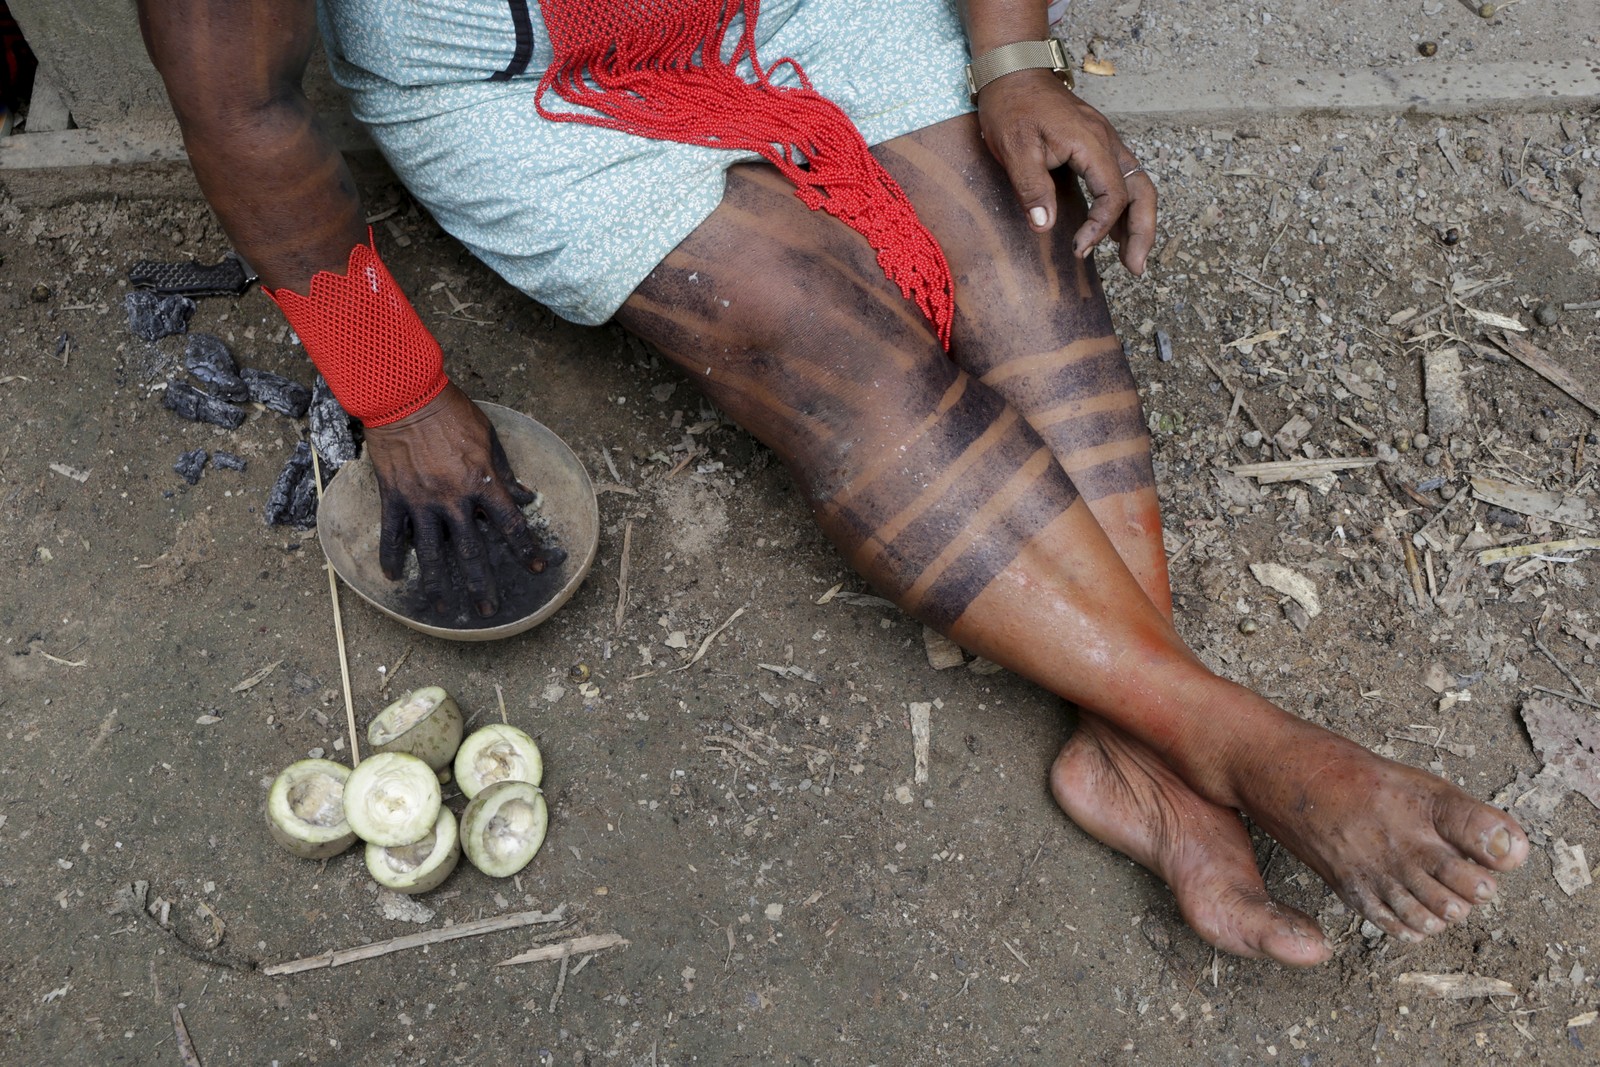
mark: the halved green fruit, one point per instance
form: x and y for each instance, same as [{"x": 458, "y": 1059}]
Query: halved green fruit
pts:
[
  {"x": 392, "y": 799},
  {"x": 421, "y": 866},
  {"x": 497, "y": 753},
  {"x": 305, "y": 809},
  {"x": 503, "y": 827},
  {"x": 425, "y": 723}
]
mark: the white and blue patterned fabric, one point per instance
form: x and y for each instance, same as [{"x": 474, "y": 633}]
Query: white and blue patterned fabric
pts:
[{"x": 574, "y": 215}]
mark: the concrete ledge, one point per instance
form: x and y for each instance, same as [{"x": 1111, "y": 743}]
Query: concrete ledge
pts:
[
  {"x": 1195, "y": 98},
  {"x": 1189, "y": 98}
]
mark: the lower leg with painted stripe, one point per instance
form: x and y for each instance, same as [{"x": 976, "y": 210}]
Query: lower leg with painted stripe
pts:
[{"x": 945, "y": 498}]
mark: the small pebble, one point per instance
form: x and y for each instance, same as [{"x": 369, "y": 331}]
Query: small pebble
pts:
[
  {"x": 1421, "y": 441},
  {"x": 1252, "y": 439},
  {"x": 1248, "y": 626},
  {"x": 1486, "y": 11},
  {"x": 1448, "y": 492},
  {"x": 1402, "y": 444},
  {"x": 1428, "y": 49},
  {"x": 1434, "y": 457},
  {"x": 40, "y": 294},
  {"x": 1451, "y": 237},
  {"x": 1541, "y": 434},
  {"x": 1547, "y": 315},
  {"x": 1473, "y": 153}
]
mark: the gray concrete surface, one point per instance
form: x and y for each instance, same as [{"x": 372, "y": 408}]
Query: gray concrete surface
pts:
[
  {"x": 91, "y": 53},
  {"x": 1175, "y": 64}
]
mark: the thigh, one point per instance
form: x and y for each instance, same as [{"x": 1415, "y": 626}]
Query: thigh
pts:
[
  {"x": 1031, "y": 318},
  {"x": 1032, "y": 323},
  {"x": 784, "y": 318}
]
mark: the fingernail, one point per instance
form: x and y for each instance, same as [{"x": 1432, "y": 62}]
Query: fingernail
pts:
[
  {"x": 1499, "y": 843},
  {"x": 1485, "y": 891},
  {"x": 1038, "y": 215},
  {"x": 1410, "y": 935},
  {"x": 485, "y": 608},
  {"x": 1433, "y": 926}
]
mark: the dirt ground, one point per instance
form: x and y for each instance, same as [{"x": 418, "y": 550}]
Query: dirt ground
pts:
[{"x": 750, "y": 823}]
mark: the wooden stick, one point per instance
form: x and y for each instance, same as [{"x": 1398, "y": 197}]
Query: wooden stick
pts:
[
  {"x": 1289, "y": 470},
  {"x": 340, "y": 957},
  {"x": 561, "y": 950},
  {"x": 1238, "y": 397},
  {"x": 180, "y": 1033},
  {"x": 712, "y": 636},
  {"x": 1540, "y": 548},
  {"x": 338, "y": 628},
  {"x": 561, "y": 979},
  {"x": 1423, "y": 602},
  {"x": 1574, "y": 697},
  {"x": 1530, "y": 356},
  {"x": 622, "y": 576}
]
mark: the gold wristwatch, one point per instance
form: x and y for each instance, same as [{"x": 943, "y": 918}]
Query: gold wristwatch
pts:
[{"x": 1010, "y": 58}]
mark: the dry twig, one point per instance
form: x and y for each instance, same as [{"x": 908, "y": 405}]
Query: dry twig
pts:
[{"x": 340, "y": 957}]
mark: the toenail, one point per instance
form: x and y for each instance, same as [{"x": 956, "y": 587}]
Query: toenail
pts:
[
  {"x": 1452, "y": 911},
  {"x": 1433, "y": 926},
  {"x": 1485, "y": 891},
  {"x": 1410, "y": 935},
  {"x": 1500, "y": 843}
]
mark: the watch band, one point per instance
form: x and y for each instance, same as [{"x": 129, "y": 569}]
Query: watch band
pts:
[{"x": 1010, "y": 58}]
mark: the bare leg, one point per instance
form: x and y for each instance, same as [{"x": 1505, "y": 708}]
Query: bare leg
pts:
[
  {"x": 944, "y": 497},
  {"x": 1038, "y": 333}
]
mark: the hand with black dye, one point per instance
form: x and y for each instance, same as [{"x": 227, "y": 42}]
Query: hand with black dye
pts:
[{"x": 438, "y": 470}]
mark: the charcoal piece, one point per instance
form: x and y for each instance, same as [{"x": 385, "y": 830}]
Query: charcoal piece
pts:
[
  {"x": 286, "y": 504},
  {"x": 227, "y": 461},
  {"x": 228, "y": 278},
  {"x": 208, "y": 359},
  {"x": 190, "y": 464},
  {"x": 303, "y": 506},
  {"x": 153, "y": 317},
  {"x": 276, "y": 392},
  {"x": 191, "y": 403},
  {"x": 331, "y": 435}
]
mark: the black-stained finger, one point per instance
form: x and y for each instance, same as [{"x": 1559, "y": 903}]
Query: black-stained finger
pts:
[
  {"x": 502, "y": 469},
  {"x": 504, "y": 515},
  {"x": 471, "y": 556},
  {"x": 428, "y": 538},
  {"x": 1140, "y": 224},
  {"x": 1022, "y": 155},
  {"x": 1109, "y": 198},
  {"x": 393, "y": 532}
]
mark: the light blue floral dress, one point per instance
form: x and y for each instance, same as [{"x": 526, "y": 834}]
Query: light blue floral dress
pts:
[{"x": 574, "y": 215}]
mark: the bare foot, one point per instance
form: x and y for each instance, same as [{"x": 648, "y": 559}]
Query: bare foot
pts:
[
  {"x": 1122, "y": 794},
  {"x": 1406, "y": 849}
]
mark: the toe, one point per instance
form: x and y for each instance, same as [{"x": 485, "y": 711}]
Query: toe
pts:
[
  {"x": 1373, "y": 907},
  {"x": 1466, "y": 880},
  {"x": 1419, "y": 919},
  {"x": 1244, "y": 920},
  {"x": 1447, "y": 906},
  {"x": 1486, "y": 834}
]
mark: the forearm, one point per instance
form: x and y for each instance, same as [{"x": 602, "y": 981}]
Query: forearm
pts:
[
  {"x": 992, "y": 23},
  {"x": 280, "y": 188}
]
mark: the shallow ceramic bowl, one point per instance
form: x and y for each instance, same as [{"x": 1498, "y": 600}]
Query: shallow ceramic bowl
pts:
[{"x": 348, "y": 521}]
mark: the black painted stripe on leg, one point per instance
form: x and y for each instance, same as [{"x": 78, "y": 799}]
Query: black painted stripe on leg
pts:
[
  {"x": 1125, "y": 474},
  {"x": 949, "y": 596},
  {"x": 1068, "y": 433}
]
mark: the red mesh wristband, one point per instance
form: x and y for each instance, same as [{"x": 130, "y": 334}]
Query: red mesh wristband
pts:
[{"x": 366, "y": 339}]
